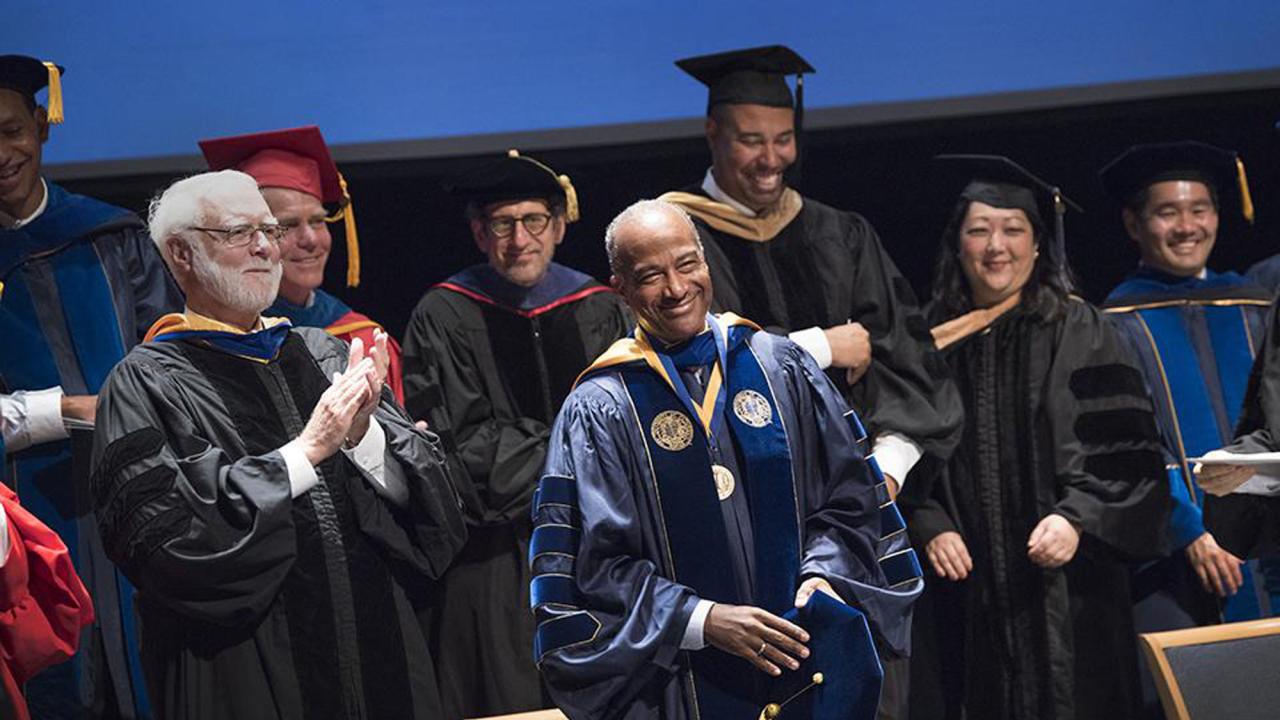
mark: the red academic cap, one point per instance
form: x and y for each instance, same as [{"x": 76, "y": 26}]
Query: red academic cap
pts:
[{"x": 294, "y": 158}]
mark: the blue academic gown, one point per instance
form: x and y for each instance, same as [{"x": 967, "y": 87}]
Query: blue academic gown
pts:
[
  {"x": 82, "y": 284},
  {"x": 1195, "y": 340},
  {"x": 630, "y": 533}
]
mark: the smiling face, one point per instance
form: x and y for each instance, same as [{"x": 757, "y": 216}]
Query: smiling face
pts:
[
  {"x": 521, "y": 257},
  {"x": 22, "y": 134},
  {"x": 1176, "y": 228},
  {"x": 997, "y": 251},
  {"x": 233, "y": 285},
  {"x": 751, "y": 146},
  {"x": 305, "y": 247},
  {"x": 662, "y": 275}
]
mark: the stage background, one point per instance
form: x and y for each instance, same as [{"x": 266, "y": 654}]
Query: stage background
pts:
[{"x": 411, "y": 92}]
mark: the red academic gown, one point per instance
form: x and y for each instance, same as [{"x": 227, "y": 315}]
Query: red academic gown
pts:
[{"x": 43, "y": 604}]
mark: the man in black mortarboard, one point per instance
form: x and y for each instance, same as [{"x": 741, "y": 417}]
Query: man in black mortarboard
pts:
[
  {"x": 80, "y": 283},
  {"x": 490, "y": 354},
  {"x": 820, "y": 275},
  {"x": 1195, "y": 332}
]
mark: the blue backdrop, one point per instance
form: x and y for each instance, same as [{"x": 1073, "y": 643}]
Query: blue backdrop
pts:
[{"x": 148, "y": 78}]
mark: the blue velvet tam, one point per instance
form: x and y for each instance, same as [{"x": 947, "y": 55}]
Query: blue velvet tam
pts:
[{"x": 842, "y": 651}]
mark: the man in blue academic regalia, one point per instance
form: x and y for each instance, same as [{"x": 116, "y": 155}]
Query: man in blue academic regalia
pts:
[
  {"x": 80, "y": 282},
  {"x": 1195, "y": 332},
  {"x": 705, "y": 513}
]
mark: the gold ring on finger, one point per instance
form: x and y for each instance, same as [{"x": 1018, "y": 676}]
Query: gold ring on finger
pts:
[{"x": 763, "y": 645}]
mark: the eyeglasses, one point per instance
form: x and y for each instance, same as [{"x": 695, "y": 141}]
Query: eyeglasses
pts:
[
  {"x": 241, "y": 235},
  {"x": 534, "y": 224}
]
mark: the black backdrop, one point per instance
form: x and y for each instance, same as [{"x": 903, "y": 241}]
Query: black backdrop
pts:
[{"x": 413, "y": 235}]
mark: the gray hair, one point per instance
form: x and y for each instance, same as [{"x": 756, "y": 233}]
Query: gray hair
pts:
[
  {"x": 634, "y": 212},
  {"x": 184, "y": 203}
]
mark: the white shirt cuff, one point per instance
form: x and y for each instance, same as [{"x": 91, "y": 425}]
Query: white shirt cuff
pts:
[
  {"x": 896, "y": 455},
  {"x": 693, "y": 638},
  {"x": 33, "y": 417},
  {"x": 4, "y": 537},
  {"x": 814, "y": 341},
  {"x": 302, "y": 476},
  {"x": 370, "y": 455}
]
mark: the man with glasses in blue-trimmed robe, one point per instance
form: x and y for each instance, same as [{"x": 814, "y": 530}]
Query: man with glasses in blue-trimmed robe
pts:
[
  {"x": 80, "y": 282},
  {"x": 709, "y": 540},
  {"x": 1195, "y": 333}
]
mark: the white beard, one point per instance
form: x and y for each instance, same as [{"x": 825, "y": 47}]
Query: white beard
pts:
[{"x": 229, "y": 286}]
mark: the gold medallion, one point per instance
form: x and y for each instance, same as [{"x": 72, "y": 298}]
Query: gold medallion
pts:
[
  {"x": 672, "y": 430},
  {"x": 724, "y": 481},
  {"x": 752, "y": 408}
]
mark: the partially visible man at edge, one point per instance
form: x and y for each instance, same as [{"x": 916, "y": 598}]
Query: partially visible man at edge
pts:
[
  {"x": 275, "y": 507},
  {"x": 490, "y": 355},
  {"x": 1194, "y": 333},
  {"x": 297, "y": 177},
  {"x": 705, "y": 513},
  {"x": 800, "y": 267},
  {"x": 80, "y": 283}
]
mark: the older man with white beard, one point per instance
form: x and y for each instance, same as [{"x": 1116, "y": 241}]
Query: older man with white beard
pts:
[{"x": 275, "y": 508}]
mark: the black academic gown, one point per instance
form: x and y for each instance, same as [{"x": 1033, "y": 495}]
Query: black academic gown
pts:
[
  {"x": 488, "y": 365},
  {"x": 253, "y": 604},
  {"x": 1249, "y": 525},
  {"x": 828, "y": 267},
  {"x": 1057, "y": 421}
]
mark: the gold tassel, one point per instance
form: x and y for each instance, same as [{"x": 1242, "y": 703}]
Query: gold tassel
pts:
[
  {"x": 1246, "y": 200},
  {"x": 571, "y": 211},
  {"x": 348, "y": 215},
  {"x": 55, "y": 94}
]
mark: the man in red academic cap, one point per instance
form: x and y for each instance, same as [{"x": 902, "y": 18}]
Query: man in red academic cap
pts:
[{"x": 297, "y": 177}]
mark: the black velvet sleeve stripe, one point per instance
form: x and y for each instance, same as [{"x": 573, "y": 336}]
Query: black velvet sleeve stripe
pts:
[
  {"x": 131, "y": 497},
  {"x": 1104, "y": 381},
  {"x": 168, "y": 524},
  {"x": 1105, "y": 427},
  {"x": 1123, "y": 466},
  {"x": 137, "y": 445}
]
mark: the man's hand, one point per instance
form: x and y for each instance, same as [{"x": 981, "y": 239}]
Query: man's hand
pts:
[
  {"x": 381, "y": 361},
  {"x": 1221, "y": 479},
  {"x": 1218, "y": 570},
  {"x": 330, "y": 422},
  {"x": 812, "y": 585},
  {"x": 1053, "y": 542},
  {"x": 850, "y": 348},
  {"x": 949, "y": 556},
  {"x": 80, "y": 407},
  {"x": 891, "y": 484},
  {"x": 759, "y": 636}
]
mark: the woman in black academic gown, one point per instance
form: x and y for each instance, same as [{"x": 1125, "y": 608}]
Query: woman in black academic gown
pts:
[{"x": 1058, "y": 478}]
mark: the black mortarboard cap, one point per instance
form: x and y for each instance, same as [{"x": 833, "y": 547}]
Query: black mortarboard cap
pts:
[
  {"x": 28, "y": 76},
  {"x": 1143, "y": 165},
  {"x": 755, "y": 76},
  {"x": 515, "y": 177},
  {"x": 1000, "y": 182}
]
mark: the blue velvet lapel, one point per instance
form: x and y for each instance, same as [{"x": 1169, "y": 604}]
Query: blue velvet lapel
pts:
[
  {"x": 695, "y": 533},
  {"x": 324, "y": 310},
  {"x": 484, "y": 280}
]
